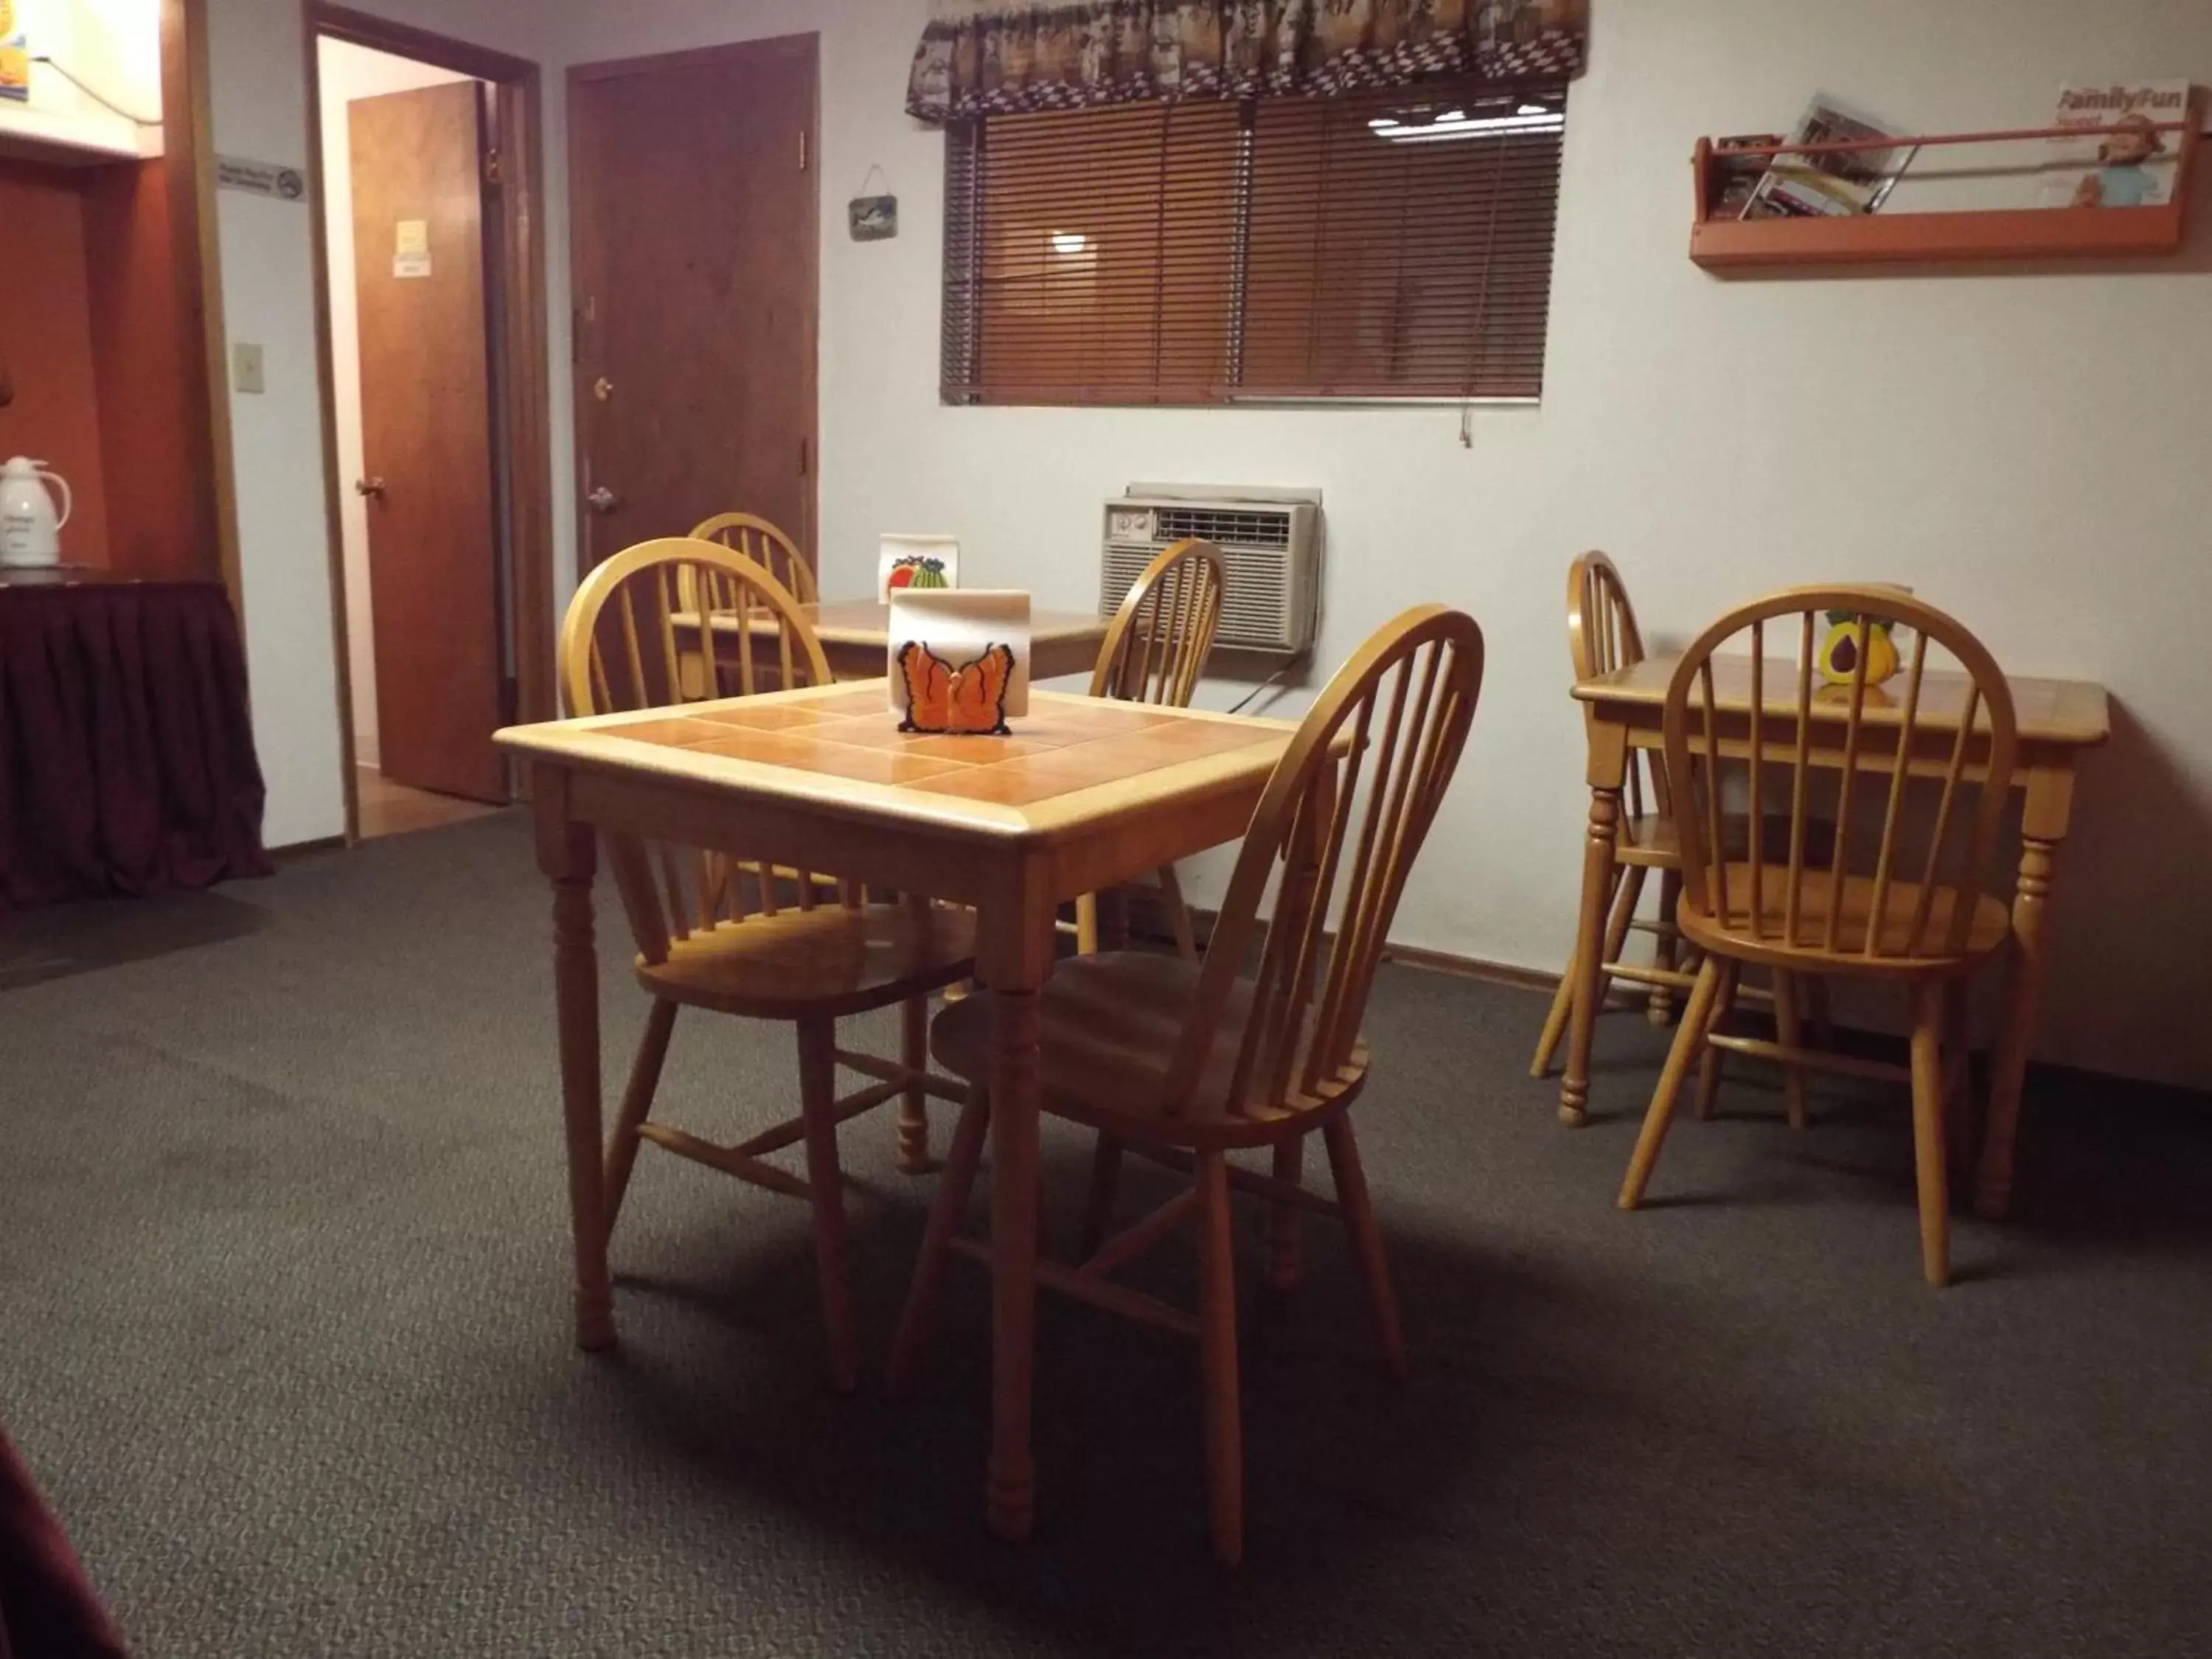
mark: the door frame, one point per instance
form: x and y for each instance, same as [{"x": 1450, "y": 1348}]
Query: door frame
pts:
[
  {"x": 810, "y": 239},
  {"x": 520, "y": 350}
]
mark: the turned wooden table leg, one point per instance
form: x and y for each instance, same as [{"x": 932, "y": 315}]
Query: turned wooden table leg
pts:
[
  {"x": 2008, "y": 1065},
  {"x": 567, "y": 855},
  {"x": 1016, "y": 955},
  {"x": 1589, "y": 966}
]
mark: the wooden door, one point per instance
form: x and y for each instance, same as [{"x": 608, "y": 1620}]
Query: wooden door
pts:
[
  {"x": 694, "y": 253},
  {"x": 426, "y": 437}
]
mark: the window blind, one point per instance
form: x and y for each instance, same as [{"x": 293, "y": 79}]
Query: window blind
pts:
[{"x": 1395, "y": 244}]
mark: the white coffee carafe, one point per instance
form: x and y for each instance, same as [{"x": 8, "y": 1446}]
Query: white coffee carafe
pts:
[{"x": 30, "y": 530}]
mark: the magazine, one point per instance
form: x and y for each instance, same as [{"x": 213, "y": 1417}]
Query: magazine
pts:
[
  {"x": 2121, "y": 159},
  {"x": 1832, "y": 184}
]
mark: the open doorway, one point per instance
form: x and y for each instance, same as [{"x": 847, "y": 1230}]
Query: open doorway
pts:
[{"x": 432, "y": 280}]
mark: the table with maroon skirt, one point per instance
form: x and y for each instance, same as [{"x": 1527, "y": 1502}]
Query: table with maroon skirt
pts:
[{"x": 126, "y": 756}]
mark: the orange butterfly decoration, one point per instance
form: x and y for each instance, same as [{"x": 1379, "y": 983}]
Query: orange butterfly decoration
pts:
[{"x": 942, "y": 698}]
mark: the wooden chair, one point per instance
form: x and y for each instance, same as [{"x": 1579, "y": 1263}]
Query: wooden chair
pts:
[
  {"x": 1184, "y": 1061},
  {"x": 1603, "y": 636},
  {"x": 1155, "y": 652},
  {"x": 794, "y": 953},
  {"x": 1906, "y": 906},
  {"x": 766, "y": 546}
]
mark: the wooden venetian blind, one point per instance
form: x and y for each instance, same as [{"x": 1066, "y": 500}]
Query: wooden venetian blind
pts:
[{"x": 1383, "y": 244}]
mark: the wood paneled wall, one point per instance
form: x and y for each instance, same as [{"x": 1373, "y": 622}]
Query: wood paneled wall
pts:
[{"x": 100, "y": 334}]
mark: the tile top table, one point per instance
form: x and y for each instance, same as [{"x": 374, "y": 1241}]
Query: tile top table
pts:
[{"x": 1084, "y": 793}]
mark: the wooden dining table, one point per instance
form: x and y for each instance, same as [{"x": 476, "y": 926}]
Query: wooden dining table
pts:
[
  {"x": 2059, "y": 722},
  {"x": 1084, "y": 793},
  {"x": 855, "y": 635}
]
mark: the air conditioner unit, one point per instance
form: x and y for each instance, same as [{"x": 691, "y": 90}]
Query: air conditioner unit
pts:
[{"x": 1270, "y": 542}]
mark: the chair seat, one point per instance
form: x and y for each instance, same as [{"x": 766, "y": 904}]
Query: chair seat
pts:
[
  {"x": 830, "y": 960},
  {"x": 1991, "y": 925},
  {"x": 1108, "y": 1027},
  {"x": 1649, "y": 839}
]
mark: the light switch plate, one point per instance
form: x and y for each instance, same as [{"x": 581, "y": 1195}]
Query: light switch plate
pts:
[{"x": 246, "y": 372}]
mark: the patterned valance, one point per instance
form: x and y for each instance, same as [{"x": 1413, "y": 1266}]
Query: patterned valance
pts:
[{"x": 994, "y": 56}]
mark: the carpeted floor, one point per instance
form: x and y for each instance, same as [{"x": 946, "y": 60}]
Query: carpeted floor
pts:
[{"x": 283, "y": 1327}]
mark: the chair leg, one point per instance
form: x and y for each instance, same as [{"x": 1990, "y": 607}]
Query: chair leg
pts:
[
  {"x": 1689, "y": 1037},
  {"x": 1178, "y": 914},
  {"x": 1286, "y": 1224},
  {"x": 1789, "y": 1031},
  {"x": 1562, "y": 1000},
  {"x": 1367, "y": 1252},
  {"x": 913, "y": 1105},
  {"x": 1098, "y": 1202},
  {"x": 1086, "y": 925},
  {"x": 1928, "y": 1130},
  {"x": 1708, "y": 1068},
  {"x": 817, "y": 1105},
  {"x": 1665, "y": 949},
  {"x": 917, "y": 1318},
  {"x": 636, "y": 1104},
  {"x": 1217, "y": 1340},
  {"x": 1624, "y": 913},
  {"x": 1555, "y": 1023}
]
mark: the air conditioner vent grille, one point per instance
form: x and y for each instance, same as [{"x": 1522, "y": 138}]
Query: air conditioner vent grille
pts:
[{"x": 1225, "y": 528}]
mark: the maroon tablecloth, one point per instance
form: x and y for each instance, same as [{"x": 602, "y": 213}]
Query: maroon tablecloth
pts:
[
  {"x": 126, "y": 758},
  {"x": 47, "y": 1608}
]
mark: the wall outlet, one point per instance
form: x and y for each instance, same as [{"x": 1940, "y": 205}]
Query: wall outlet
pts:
[{"x": 246, "y": 373}]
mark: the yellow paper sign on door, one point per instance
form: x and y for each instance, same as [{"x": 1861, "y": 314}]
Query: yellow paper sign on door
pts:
[{"x": 414, "y": 236}]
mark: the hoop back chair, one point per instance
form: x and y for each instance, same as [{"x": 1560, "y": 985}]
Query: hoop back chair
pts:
[
  {"x": 1184, "y": 1061},
  {"x": 766, "y": 545},
  {"x": 716, "y": 930},
  {"x": 1603, "y": 636},
  {"x": 1904, "y": 901},
  {"x": 1154, "y": 652}
]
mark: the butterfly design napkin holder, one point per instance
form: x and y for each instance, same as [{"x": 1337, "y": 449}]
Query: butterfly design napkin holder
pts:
[{"x": 959, "y": 659}]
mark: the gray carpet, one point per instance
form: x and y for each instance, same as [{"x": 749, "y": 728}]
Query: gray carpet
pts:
[{"x": 283, "y": 1327}]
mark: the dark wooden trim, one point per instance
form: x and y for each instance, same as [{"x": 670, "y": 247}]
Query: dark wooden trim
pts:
[
  {"x": 695, "y": 57},
  {"x": 615, "y": 69},
  {"x": 364, "y": 29},
  {"x": 300, "y": 849},
  {"x": 188, "y": 143},
  {"x": 521, "y": 350}
]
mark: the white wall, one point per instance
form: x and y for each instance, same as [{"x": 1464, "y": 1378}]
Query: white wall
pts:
[
  {"x": 257, "y": 88},
  {"x": 2029, "y": 443},
  {"x": 113, "y": 46},
  {"x": 349, "y": 72}
]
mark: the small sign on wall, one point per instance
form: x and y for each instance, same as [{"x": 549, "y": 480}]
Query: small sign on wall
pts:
[
  {"x": 873, "y": 218},
  {"x": 260, "y": 179},
  {"x": 410, "y": 254}
]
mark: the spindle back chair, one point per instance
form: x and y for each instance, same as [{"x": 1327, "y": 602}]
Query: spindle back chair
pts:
[
  {"x": 1603, "y": 636},
  {"x": 1155, "y": 652},
  {"x": 1904, "y": 896},
  {"x": 715, "y": 930},
  {"x": 1182, "y": 1061},
  {"x": 766, "y": 545}
]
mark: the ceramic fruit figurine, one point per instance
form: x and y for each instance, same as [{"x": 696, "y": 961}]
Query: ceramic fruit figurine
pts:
[
  {"x": 1839, "y": 652},
  {"x": 917, "y": 573}
]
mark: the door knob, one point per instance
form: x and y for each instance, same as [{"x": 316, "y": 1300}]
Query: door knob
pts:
[
  {"x": 604, "y": 500},
  {"x": 369, "y": 487}
]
